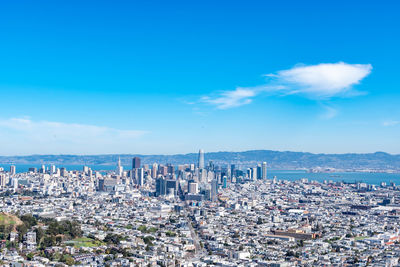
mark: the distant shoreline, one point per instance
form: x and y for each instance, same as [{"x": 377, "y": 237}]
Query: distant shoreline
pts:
[
  {"x": 282, "y": 160},
  {"x": 373, "y": 178}
]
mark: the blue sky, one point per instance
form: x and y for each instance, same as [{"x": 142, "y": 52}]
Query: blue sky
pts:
[{"x": 91, "y": 77}]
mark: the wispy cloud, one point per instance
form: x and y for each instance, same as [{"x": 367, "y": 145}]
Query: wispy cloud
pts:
[
  {"x": 59, "y": 137},
  {"x": 231, "y": 99},
  {"x": 390, "y": 123},
  {"x": 329, "y": 113},
  {"x": 321, "y": 81}
]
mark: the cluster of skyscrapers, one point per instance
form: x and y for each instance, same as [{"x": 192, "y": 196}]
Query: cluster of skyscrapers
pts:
[
  {"x": 193, "y": 182},
  {"x": 200, "y": 182}
]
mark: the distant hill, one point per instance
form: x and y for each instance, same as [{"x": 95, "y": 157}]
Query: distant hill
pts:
[{"x": 275, "y": 159}]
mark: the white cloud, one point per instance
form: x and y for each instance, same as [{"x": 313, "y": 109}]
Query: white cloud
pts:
[
  {"x": 231, "y": 99},
  {"x": 320, "y": 81},
  {"x": 323, "y": 80},
  {"x": 26, "y": 135},
  {"x": 390, "y": 123}
]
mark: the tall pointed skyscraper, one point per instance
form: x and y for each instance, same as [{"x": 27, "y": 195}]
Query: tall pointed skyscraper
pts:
[{"x": 201, "y": 159}]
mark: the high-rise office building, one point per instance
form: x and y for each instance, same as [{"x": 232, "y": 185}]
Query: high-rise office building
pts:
[
  {"x": 171, "y": 169},
  {"x": 233, "y": 170},
  {"x": 211, "y": 166},
  {"x": 43, "y": 169},
  {"x": 163, "y": 170},
  {"x": 224, "y": 182},
  {"x": 249, "y": 173},
  {"x": 53, "y": 169},
  {"x": 3, "y": 180},
  {"x": 140, "y": 176},
  {"x": 171, "y": 187},
  {"x": 254, "y": 172},
  {"x": 132, "y": 174},
  {"x": 85, "y": 169},
  {"x": 228, "y": 173},
  {"x": 120, "y": 169},
  {"x": 264, "y": 170},
  {"x": 12, "y": 170},
  {"x": 201, "y": 159},
  {"x": 193, "y": 187},
  {"x": 161, "y": 188},
  {"x": 154, "y": 171},
  {"x": 259, "y": 171},
  {"x": 203, "y": 175},
  {"x": 14, "y": 183},
  {"x": 214, "y": 190},
  {"x": 136, "y": 163},
  {"x": 63, "y": 172}
]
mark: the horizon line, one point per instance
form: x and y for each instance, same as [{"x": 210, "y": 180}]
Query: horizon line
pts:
[{"x": 176, "y": 154}]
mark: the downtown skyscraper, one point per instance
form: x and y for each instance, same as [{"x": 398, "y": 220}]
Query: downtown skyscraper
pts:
[
  {"x": 201, "y": 159},
  {"x": 264, "y": 170},
  {"x": 136, "y": 163}
]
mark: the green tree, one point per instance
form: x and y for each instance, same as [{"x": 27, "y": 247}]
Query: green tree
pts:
[
  {"x": 49, "y": 241},
  {"x": 142, "y": 228},
  {"x": 22, "y": 230},
  {"x": 28, "y": 220},
  {"x": 67, "y": 259},
  {"x": 170, "y": 234},
  {"x": 112, "y": 239},
  {"x": 39, "y": 235},
  {"x": 29, "y": 256}
]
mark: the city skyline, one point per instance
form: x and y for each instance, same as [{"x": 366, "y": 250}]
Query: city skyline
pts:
[{"x": 100, "y": 78}]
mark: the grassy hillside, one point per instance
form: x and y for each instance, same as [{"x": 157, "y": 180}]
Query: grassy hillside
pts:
[{"x": 8, "y": 219}]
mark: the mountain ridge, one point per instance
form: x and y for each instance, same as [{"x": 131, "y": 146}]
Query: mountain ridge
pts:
[{"x": 276, "y": 159}]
